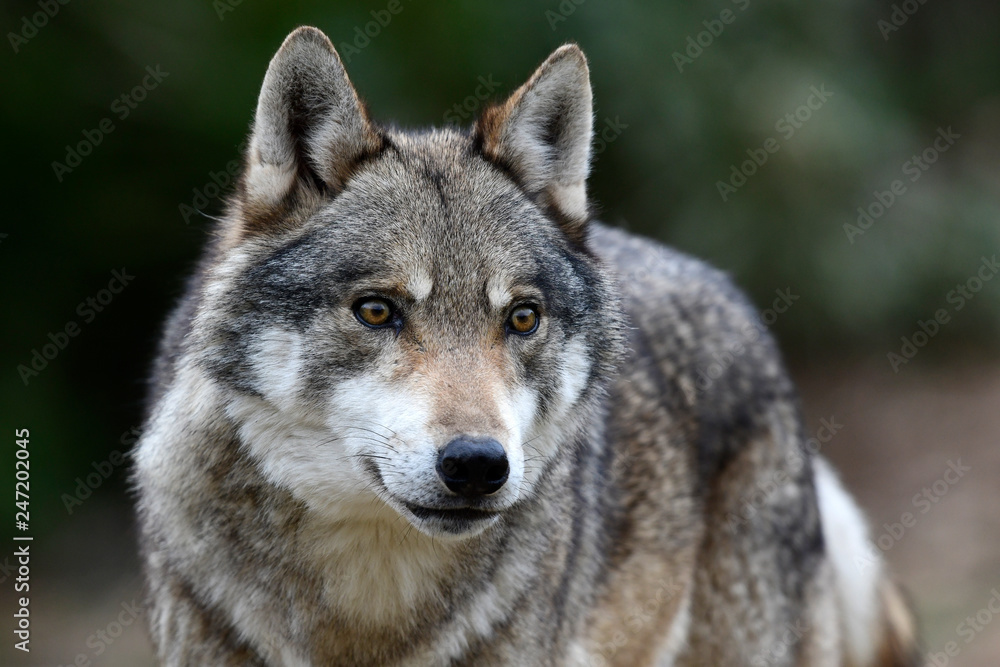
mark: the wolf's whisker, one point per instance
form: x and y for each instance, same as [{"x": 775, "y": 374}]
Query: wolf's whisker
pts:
[{"x": 374, "y": 432}]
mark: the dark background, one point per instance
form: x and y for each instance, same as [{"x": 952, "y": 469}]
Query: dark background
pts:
[{"x": 671, "y": 134}]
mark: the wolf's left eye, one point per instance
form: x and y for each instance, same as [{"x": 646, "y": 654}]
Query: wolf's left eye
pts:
[
  {"x": 373, "y": 312},
  {"x": 523, "y": 320}
]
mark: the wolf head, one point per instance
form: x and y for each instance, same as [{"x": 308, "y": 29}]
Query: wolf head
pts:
[{"x": 409, "y": 323}]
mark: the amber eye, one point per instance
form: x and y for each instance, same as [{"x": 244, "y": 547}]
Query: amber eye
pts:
[
  {"x": 373, "y": 312},
  {"x": 524, "y": 320}
]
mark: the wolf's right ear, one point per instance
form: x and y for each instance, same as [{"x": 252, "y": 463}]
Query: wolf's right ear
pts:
[{"x": 309, "y": 130}]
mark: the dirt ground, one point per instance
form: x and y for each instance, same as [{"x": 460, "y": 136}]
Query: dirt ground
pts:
[{"x": 900, "y": 434}]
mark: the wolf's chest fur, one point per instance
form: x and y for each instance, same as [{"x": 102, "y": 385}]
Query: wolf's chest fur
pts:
[{"x": 418, "y": 409}]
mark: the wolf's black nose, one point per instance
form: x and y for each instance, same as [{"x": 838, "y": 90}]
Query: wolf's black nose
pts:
[{"x": 473, "y": 466}]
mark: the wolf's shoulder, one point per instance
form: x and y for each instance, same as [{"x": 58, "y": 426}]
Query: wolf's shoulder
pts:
[
  {"x": 670, "y": 290},
  {"x": 699, "y": 345}
]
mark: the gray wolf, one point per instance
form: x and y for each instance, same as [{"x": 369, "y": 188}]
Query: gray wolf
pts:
[{"x": 418, "y": 408}]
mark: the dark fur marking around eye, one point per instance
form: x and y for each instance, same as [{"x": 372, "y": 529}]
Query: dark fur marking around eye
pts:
[{"x": 278, "y": 286}]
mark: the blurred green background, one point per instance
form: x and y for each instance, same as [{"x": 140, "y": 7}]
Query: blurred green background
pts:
[{"x": 683, "y": 91}]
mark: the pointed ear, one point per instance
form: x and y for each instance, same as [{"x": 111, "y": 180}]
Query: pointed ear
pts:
[
  {"x": 542, "y": 134},
  {"x": 310, "y": 128}
]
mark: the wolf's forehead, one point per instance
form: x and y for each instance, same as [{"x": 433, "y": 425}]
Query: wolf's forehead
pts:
[
  {"x": 491, "y": 274},
  {"x": 442, "y": 167},
  {"x": 450, "y": 210},
  {"x": 419, "y": 253},
  {"x": 432, "y": 216}
]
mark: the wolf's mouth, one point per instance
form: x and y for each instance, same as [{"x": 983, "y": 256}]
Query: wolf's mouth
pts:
[
  {"x": 453, "y": 520},
  {"x": 460, "y": 515}
]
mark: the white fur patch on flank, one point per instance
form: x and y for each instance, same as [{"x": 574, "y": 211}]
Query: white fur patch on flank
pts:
[{"x": 857, "y": 577}]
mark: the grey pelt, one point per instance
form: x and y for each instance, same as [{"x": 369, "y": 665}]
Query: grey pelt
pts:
[{"x": 280, "y": 463}]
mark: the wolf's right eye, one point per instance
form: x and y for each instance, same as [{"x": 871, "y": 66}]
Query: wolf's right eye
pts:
[{"x": 373, "y": 312}]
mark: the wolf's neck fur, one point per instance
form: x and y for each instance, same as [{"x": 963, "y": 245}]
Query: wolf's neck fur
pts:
[{"x": 379, "y": 570}]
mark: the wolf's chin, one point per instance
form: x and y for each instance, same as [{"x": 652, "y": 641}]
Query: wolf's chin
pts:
[{"x": 450, "y": 524}]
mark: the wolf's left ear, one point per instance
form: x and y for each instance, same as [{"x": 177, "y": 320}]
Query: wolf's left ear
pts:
[
  {"x": 310, "y": 127},
  {"x": 542, "y": 133}
]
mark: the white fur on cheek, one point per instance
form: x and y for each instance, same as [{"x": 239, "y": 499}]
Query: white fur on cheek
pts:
[
  {"x": 277, "y": 362},
  {"x": 288, "y": 436},
  {"x": 542, "y": 440},
  {"x": 298, "y": 453},
  {"x": 387, "y": 423}
]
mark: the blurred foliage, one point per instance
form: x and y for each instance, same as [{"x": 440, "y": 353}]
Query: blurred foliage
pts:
[{"x": 679, "y": 134}]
